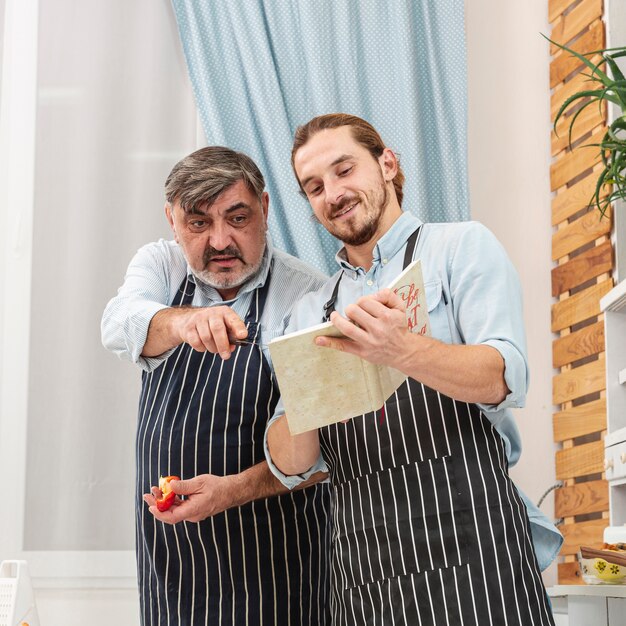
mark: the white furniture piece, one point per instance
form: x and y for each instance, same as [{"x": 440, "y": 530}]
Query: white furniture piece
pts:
[
  {"x": 589, "y": 605},
  {"x": 613, "y": 304}
]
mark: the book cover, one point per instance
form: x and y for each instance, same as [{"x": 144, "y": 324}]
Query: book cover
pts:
[{"x": 322, "y": 386}]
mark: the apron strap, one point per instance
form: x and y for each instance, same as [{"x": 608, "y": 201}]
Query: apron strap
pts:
[
  {"x": 329, "y": 307},
  {"x": 411, "y": 244},
  {"x": 184, "y": 295},
  {"x": 259, "y": 297}
]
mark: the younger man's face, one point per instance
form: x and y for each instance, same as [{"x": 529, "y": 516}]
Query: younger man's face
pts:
[{"x": 344, "y": 184}]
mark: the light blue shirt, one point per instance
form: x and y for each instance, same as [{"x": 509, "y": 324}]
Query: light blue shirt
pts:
[
  {"x": 473, "y": 296},
  {"x": 156, "y": 272}
]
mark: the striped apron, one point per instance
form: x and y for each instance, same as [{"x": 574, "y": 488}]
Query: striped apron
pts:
[
  {"x": 428, "y": 528},
  {"x": 262, "y": 563}
]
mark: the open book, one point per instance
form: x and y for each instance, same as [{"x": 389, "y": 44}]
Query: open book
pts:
[{"x": 321, "y": 386}]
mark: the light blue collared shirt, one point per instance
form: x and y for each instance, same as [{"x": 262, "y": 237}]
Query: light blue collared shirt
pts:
[{"x": 473, "y": 296}]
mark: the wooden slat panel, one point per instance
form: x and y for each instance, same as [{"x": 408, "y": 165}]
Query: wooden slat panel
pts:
[
  {"x": 579, "y": 307},
  {"x": 571, "y": 200},
  {"x": 573, "y": 163},
  {"x": 587, "y": 265},
  {"x": 580, "y": 420},
  {"x": 569, "y": 573},
  {"x": 582, "y": 534},
  {"x": 557, "y": 8},
  {"x": 587, "y": 228},
  {"x": 582, "y": 460},
  {"x": 583, "y": 498},
  {"x": 564, "y": 63},
  {"x": 575, "y": 22},
  {"x": 592, "y": 116},
  {"x": 577, "y": 345},
  {"x": 578, "y": 82},
  {"x": 578, "y": 24},
  {"x": 578, "y": 382}
]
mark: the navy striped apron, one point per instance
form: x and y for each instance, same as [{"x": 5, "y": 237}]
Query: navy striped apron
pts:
[
  {"x": 428, "y": 528},
  {"x": 262, "y": 563}
]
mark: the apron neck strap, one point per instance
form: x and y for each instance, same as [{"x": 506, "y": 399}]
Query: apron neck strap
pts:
[
  {"x": 259, "y": 297},
  {"x": 411, "y": 244},
  {"x": 184, "y": 295}
]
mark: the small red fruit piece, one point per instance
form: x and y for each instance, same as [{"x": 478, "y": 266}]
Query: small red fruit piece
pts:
[{"x": 167, "y": 495}]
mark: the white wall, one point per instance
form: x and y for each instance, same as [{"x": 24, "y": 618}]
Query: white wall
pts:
[
  {"x": 509, "y": 160},
  {"x": 95, "y": 109}
]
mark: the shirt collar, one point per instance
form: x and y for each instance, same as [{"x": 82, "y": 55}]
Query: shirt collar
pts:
[
  {"x": 255, "y": 281},
  {"x": 388, "y": 245}
]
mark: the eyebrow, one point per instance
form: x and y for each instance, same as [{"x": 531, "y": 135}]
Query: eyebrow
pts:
[
  {"x": 237, "y": 206},
  {"x": 339, "y": 159},
  {"x": 233, "y": 207}
]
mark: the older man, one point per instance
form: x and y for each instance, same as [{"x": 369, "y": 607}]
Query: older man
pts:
[
  {"x": 428, "y": 527},
  {"x": 196, "y": 315}
]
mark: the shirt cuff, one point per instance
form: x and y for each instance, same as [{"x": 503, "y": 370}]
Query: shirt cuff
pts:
[
  {"x": 547, "y": 540},
  {"x": 515, "y": 377},
  {"x": 290, "y": 481}
]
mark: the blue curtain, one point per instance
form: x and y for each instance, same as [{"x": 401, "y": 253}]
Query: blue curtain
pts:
[{"x": 261, "y": 68}]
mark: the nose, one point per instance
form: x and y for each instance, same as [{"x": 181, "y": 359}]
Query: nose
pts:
[
  {"x": 334, "y": 191},
  {"x": 220, "y": 236}
]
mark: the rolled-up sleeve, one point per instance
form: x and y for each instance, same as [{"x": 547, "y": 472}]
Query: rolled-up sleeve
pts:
[
  {"x": 289, "y": 481},
  {"x": 127, "y": 316},
  {"x": 515, "y": 376}
]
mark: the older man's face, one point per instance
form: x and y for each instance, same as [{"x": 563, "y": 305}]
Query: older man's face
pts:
[{"x": 223, "y": 243}]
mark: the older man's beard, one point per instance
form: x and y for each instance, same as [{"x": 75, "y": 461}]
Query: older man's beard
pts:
[{"x": 228, "y": 278}]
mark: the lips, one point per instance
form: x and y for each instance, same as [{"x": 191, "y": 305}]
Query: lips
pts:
[
  {"x": 344, "y": 210},
  {"x": 224, "y": 261}
]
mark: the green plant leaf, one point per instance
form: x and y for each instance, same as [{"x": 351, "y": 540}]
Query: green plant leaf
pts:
[
  {"x": 621, "y": 52},
  {"x": 596, "y": 199},
  {"x": 595, "y": 94},
  {"x": 610, "y": 86},
  {"x": 616, "y": 131},
  {"x": 615, "y": 70},
  {"x": 592, "y": 66},
  {"x": 613, "y": 99},
  {"x": 618, "y": 78}
]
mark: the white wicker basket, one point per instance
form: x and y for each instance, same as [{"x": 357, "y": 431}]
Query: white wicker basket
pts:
[{"x": 17, "y": 600}]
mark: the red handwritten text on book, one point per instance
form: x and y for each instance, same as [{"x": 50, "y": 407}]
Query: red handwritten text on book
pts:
[{"x": 412, "y": 298}]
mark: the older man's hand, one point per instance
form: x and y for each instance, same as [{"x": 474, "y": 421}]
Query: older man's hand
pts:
[
  {"x": 210, "y": 329},
  {"x": 204, "y": 495},
  {"x": 206, "y": 329}
]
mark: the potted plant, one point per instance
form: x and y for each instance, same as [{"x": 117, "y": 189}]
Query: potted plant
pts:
[{"x": 608, "y": 85}]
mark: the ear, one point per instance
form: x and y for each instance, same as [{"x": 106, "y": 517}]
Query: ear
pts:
[
  {"x": 170, "y": 218},
  {"x": 389, "y": 164},
  {"x": 265, "y": 203}
]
